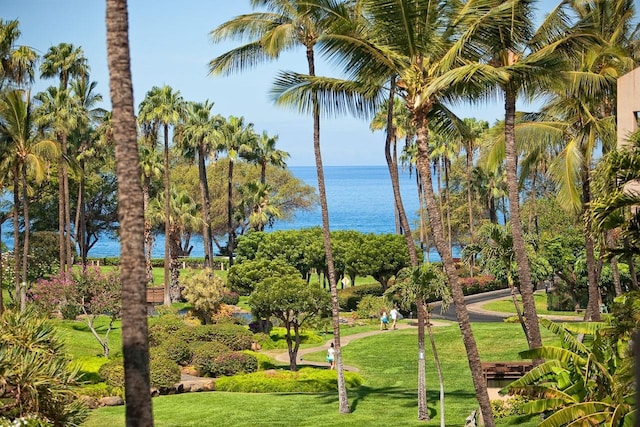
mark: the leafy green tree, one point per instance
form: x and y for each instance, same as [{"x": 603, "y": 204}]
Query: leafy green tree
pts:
[
  {"x": 287, "y": 297},
  {"x": 205, "y": 292},
  {"x": 37, "y": 377},
  {"x": 163, "y": 107},
  {"x": 243, "y": 277},
  {"x": 386, "y": 255}
]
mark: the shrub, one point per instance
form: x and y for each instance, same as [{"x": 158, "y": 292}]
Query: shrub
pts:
[
  {"x": 100, "y": 390},
  {"x": 167, "y": 323},
  {"x": 164, "y": 372},
  {"x": 233, "y": 363},
  {"x": 371, "y": 306},
  {"x": 278, "y": 338},
  {"x": 509, "y": 407},
  {"x": 176, "y": 350},
  {"x": 478, "y": 284},
  {"x": 236, "y": 337},
  {"x": 112, "y": 373},
  {"x": 264, "y": 361},
  {"x": 230, "y": 298},
  {"x": 306, "y": 380},
  {"x": 204, "y": 355},
  {"x": 349, "y": 298}
]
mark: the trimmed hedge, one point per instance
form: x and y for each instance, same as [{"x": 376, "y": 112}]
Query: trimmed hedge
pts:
[
  {"x": 205, "y": 354},
  {"x": 164, "y": 372},
  {"x": 236, "y": 337},
  {"x": 232, "y": 363},
  {"x": 349, "y": 298},
  {"x": 177, "y": 350},
  {"x": 112, "y": 373},
  {"x": 306, "y": 380}
]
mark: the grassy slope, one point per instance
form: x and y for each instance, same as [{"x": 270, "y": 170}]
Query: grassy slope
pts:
[
  {"x": 506, "y": 305},
  {"x": 388, "y": 364}
]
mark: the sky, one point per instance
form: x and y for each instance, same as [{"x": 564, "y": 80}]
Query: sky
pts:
[{"x": 170, "y": 45}]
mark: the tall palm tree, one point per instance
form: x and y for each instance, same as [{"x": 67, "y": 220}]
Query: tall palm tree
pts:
[
  {"x": 475, "y": 129},
  {"x": 59, "y": 111},
  {"x": 65, "y": 62},
  {"x": 17, "y": 63},
  {"x": 286, "y": 24},
  {"x": 233, "y": 137},
  {"x": 135, "y": 344},
  {"x": 196, "y": 137},
  {"x": 27, "y": 156},
  {"x": 163, "y": 107},
  {"x": 90, "y": 116},
  {"x": 151, "y": 168},
  {"x": 420, "y": 41}
]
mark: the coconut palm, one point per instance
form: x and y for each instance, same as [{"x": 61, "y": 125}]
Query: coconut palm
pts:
[
  {"x": 151, "y": 168},
  {"x": 135, "y": 344},
  {"x": 196, "y": 137},
  {"x": 16, "y": 62},
  {"x": 66, "y": 62},
  {"x": 475, "y": 129},
  {"x": 285, "y": 25},
  {"x": 256, "y": 196},
  {"x": 162, "y": 106},
  {"x": 416, "y": 41},
  {"x": 26, "y": 155}
]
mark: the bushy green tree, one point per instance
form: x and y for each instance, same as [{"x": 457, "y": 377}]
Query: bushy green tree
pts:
[
  {"x": 205, "y": 291},
  {"x": 243, "y": 277},
  {"x": 293, "y": 301}
]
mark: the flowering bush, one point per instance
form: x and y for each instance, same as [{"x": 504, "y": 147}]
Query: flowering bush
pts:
[
  {"x": 479, "y": 284},
  {"x": 56, "y": 294}
]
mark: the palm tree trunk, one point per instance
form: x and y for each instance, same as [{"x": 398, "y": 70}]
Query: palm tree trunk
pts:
[
  {"x": 610, "y": 242},
  {"x": 135, "y": 344},
  {"x": 324, "y": 209},
  {"x": 148, "y": 237},
  {"x": 436, "y": 361},
  {"x": 167, "y": 220},
  {"x": 437, "y": 229},
  {"x": 67, "y": 207},
  {"x": 230, "y": 238},
  {"x": 423, "y": 412},
  {"x": 62, "y": 246},
  {"x": 206, "y": 208},
  {"x": 25, "y": 240},
  {"x": 524, "y": 272},
  {"x": 469, "y": 162},
  {"x": 16, "y": 231},
  {"x": 593, "y": 311}
]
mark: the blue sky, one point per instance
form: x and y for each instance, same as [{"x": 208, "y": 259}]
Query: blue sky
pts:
[{"x": 170, "y": 45}]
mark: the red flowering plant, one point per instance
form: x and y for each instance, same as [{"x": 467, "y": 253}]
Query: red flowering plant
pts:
[{"x": 55, "y": 295}]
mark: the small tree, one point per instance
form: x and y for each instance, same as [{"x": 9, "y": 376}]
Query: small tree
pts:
[
  {"x": 206, "y": 292},
  {"x": 98, "y": 294},
  {"x": 292, "y": 300}
]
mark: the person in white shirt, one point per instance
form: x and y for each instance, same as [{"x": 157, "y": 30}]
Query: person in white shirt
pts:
[
  {"x": 394, "y": 317},
  {"x": 331, "y": 355}
]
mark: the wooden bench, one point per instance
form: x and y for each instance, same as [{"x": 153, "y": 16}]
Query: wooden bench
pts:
[{"x": 498, "y": 374}]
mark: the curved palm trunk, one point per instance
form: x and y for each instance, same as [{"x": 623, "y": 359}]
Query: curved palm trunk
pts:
[
  {"x": 148, "y": 237},
  {"x": 524, "y": 273},
  {"x": 335, "y": 307},
  {"x": 437, "y": 229},
  {"x": 167, "y": 216},
  {"x": 135, "y": 345},
  {"x": 423, "y": 412},
  {"x": 593, "y": 311},
  {"x": 206, "y": 208}
]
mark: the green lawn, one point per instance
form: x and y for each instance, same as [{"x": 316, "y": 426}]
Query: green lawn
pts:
[
  {"x": 388, "y": 364},
  {"x": 505, "y": 305}
]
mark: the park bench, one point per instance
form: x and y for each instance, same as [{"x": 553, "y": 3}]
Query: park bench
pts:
[{"x": 499, "y": 374}]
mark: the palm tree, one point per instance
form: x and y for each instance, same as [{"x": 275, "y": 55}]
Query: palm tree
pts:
[
  {"x": 27, "y": 156},
  {"x": 196, "y": 137},
  {"x": 151, "y": 168},
  {"x": 163, "y": 107},
  {"x": 257, "y": 198},
  {"x": 135, "y": 344},
  {"x": 233, "y": 137},
  {"x": 286, "y": 25},
  {"x": 65, "y": 62},
  {"x": 89, "y": 116},
  {"x": 16, "y": 62},
  {"x": 264, "y": 153},
  {"x": 414, "y": 40},
  {"x": 475, "y": 129}
]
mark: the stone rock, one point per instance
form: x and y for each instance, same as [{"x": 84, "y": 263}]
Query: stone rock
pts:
[
  {"x": 154, "y": 392},
  {"x": 89, "y": 401},
  {"x": 111, "y": 401}
]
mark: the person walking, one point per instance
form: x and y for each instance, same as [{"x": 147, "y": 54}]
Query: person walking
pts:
[
  {"x": 394, "y": 317},
  {"x": 331, "y": 356},
  {"x": 384, "y": 320}
]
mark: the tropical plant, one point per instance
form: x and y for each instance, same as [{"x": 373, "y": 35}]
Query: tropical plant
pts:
[
  {"x": 580, "y": 383},
  {"x": 135, "y": 339},
  {"x": 16, "y": 62},
  {"x": 205, "y": 292}
]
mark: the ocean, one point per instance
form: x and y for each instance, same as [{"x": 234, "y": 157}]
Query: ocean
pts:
[{"x": 358, "y": 197}]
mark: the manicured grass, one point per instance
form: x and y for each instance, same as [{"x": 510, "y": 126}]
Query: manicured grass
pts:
[
  {"x": 505, "y": 305},
  {"x": 388, "y": 364}
]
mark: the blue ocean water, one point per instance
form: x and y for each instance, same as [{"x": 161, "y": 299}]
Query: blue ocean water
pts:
[{"x": 358, "y": 197}]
